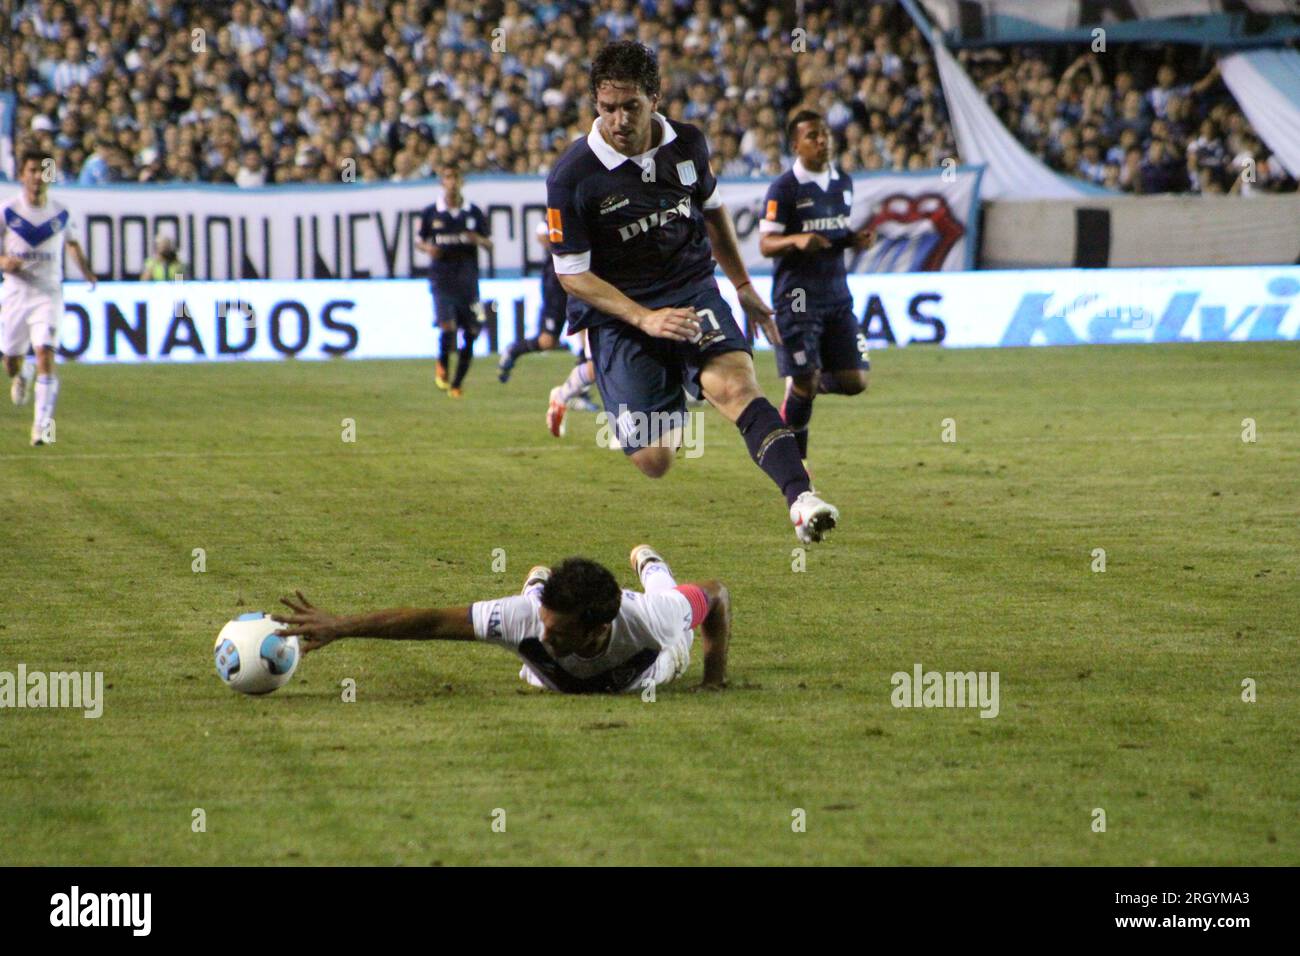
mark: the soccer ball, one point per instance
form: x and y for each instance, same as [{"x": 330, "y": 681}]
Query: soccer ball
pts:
[{"x": 252, "y": 657}]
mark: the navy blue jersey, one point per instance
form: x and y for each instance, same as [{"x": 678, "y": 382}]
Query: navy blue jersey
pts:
[
  {"x": 454, "y": 273},
  {"x": 639, "y": 219},
  {"x": 796, "y": 204}
]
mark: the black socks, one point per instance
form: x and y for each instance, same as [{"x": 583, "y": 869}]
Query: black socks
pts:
[
  {"x": 798, "y": 413},
  {"x": 773, "y": 447}
]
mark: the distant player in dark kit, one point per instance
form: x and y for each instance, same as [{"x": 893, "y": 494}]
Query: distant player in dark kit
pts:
[
  {"x": 550, "y": 326},
  {"x": 805, "y": 227},
  {"x": 635, "y": 223},
  {"x": 451, "y": 233}
]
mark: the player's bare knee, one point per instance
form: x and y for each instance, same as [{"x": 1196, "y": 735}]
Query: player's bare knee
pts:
[
  {"x": 853, "y": 383},
  {"x": 546, "y": 342},
  {"x": 732, "y": 395},
  {"x": 806, "y": 385},
  {"x": 653, "y": 462}
]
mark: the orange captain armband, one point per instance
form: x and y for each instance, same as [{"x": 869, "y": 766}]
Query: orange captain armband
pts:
[{"x": 554, "y": 225}]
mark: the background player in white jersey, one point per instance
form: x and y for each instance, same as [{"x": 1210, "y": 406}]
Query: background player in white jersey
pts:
[
  {"x": 33, "y": 232},
  {"x": 574, "y": 628}
]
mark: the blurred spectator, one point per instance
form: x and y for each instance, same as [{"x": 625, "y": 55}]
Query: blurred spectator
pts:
[
  {"x": 251, "y": 170},
  {"x": 1123, "y": 121},
  {"x": 163, "y": 265},
  {"x": 96, "y": 170}
]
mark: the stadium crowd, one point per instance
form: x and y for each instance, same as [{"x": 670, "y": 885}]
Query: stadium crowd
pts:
[{"x": 259, "y": 92}]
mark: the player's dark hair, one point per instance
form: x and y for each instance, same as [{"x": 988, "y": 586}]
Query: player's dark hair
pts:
[
  {"x": 584, "y": 588},
  {"x": 801, "y": 116},
  {"x": 34, "y": 154},
  {"x": 626, "y": 61}
]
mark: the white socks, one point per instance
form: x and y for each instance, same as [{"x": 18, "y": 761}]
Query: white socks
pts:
[
  {"x": 656, "y": 577},
  {"x": 578, "y": 379},
  {"x": 47, "y": 396}
]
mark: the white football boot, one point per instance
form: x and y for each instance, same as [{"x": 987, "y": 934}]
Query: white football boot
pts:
[
  {"x": 534, "y": 583},
  {"x": 642, "y": 555},
  {"x": 812, "y": 517},
  {"x": 555, "y": 414},
  {"x": 539, "y": 575}
]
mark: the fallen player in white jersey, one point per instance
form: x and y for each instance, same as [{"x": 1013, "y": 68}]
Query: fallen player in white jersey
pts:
[{"x": 574, "y": 628}]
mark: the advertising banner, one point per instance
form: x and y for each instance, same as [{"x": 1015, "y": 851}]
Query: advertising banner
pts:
[
  {"x": 204, "y": 321},
  {"x": 924, "y": 221}
]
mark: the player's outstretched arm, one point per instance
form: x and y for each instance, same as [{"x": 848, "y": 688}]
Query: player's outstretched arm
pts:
[
  {"x": 83, "y": 264},
  {"x": 726, "y": 249},
  {"x": 715, "y": 634},
  {"x": 317, "y": 627}
]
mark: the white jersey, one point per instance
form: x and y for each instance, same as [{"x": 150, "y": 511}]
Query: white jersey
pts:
[
  {"x": 651, "y": 640},
  {"x": 36, "y": 235}
]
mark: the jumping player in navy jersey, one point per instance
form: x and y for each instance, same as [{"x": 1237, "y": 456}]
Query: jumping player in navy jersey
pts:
[
  {"x": 805, "y": 227},
  {"x": 635, "y": 222},
  {"x": 451, "y": 233}
]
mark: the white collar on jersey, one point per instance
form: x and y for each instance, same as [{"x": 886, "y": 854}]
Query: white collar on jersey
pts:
[
  {"x": 822, "y": 179},
  {"x": 441, "y": 204},
  {"x": 612, "y": 158}
]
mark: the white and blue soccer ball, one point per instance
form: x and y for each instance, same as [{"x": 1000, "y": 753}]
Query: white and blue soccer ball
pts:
[{"x": 253, "y": 657}]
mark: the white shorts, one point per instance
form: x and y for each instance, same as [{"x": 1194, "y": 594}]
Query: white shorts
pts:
[{"x": 29, "y": 321}]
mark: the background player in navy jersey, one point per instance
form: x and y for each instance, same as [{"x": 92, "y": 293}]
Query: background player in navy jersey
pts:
[
  {"x": 550, "y": 325},
  {"x": 635, "y": 223},
  {"x": 805, "y": 227},
  {"x": 451, "y": 233}
]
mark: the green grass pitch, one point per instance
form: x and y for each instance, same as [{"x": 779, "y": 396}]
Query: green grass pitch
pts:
[{"x": 1119, "y": 690}]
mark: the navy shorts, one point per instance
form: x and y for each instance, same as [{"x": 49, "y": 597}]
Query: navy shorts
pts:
[
  {"x": 829, "y": 340},
  {"x": 641, "y": 376},
  {"x": 467, "y": 316}
]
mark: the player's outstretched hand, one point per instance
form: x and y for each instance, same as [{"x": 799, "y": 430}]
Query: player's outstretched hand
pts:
[
  {"x": 11, "y": 264},
  {"x": 759, "y": 313},
  {"x": 681, "y": 325},
  {"x": 315, "y": 627},
  {"x": 863, "y": 238}
]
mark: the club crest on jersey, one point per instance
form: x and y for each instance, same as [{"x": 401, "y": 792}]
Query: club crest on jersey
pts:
[{"x": 686, "y": 172}]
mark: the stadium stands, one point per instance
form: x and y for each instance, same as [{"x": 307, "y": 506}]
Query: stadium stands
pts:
[{"x": 291, "y": 91}]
